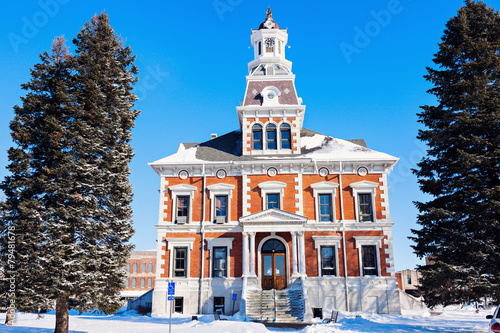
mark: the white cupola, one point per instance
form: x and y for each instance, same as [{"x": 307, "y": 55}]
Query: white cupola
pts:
[{"x": 269, "y": 43}]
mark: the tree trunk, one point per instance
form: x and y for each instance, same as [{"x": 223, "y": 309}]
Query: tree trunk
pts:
[{"x": 62, "y": 314}]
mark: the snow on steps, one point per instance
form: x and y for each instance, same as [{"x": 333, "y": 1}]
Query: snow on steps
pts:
[{"x": 281, "y": 306}]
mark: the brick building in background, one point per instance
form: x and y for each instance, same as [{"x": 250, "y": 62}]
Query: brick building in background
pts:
[
  {"x": 275, "y": 206},
  {"x": 141, "y": 269}
]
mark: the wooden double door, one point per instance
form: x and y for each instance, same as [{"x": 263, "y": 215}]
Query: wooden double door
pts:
[{"x": 273, "y": 265}]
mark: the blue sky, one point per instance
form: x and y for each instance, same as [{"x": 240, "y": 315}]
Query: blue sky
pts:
[{"x": 358, "y": 67}]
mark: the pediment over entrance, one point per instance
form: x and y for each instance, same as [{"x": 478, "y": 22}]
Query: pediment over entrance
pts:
[{"x": 273, "y": 217}]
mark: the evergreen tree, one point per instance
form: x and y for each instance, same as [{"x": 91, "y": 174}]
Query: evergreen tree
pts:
[
  {"x": 68, "y": 195},
  {"x": 460, "y": 225}
]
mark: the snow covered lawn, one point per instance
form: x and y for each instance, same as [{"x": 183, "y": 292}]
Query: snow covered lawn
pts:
[{"x": 453, "y": 319}]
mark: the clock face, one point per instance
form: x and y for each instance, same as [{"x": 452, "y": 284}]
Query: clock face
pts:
[{"x": 269, "y": 42}]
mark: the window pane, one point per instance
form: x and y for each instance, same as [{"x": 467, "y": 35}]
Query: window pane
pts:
[
  {"x": 325, "y": 207},
  {"x": 143, "y": 283},
  {"x": 365, "y": 207},
  {"x": 271, "y": 137},
  {"x": 280, "y": 265},
  {"x": 150, "y": 282},
  {"x": 285, "y": 136},
  {"x": 257, "y": 137},
  {"x": 219, "y": 262},
  {"x": 143, "y": 268},
  {"x": 182, "y": 206},
  {"x": 268, "y": 265},
  {"x": 221, "y": 205},
  {"x": 369, "y": 260},
  {"x": 180, "y": 261},
  {"x": 327, "y": 260},
  {"x": 135, "y": 268},
  {"x": 133, "y": 282},
  {"x": 178, "y": 304},
  {"x": 273, "y": 201},
  {"x": 151, "y": 267}
]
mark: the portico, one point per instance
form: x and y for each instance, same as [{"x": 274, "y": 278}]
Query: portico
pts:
[{"x": 273, "y": 222}]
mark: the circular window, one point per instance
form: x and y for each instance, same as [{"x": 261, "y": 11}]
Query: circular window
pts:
[
  {"x": 323, "y": 172},
  {"x": 362, "y": 171},
  {"x": 271, "y": 172},
  {"x": 270, "y": 95},
  {"x": 183, "y": 174},
  {"x": 221, "y": 173}
]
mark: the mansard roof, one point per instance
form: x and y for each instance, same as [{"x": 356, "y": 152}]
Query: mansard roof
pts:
[{"x": 315, "y": 146}]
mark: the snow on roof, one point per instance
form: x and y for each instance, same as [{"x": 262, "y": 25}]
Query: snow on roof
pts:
[{"x": 314, "y": 145}]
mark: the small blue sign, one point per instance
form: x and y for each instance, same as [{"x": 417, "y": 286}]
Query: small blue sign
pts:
[
  {"x": 171, "y": 298},
  {"x": 235, "y": 296},
  {"x": 171, "y": 288}
]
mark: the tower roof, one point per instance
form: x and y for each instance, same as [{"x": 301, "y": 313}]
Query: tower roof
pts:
[{"x": 269, "y": 22}]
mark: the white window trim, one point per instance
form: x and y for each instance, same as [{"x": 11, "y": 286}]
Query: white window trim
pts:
[
  {"x": 271, "y": 187},
  {"x": 364, "y": 187},
  {"x": 369, "y": 240},
  {"x": 179, "y": 242},
  {"x": 334, "y": 241},
  {"x": 220, "y": 242},
  {"x": 325, "y": 188},
  {"x": 220, "y": 189},
  {"x": 182, "y": 190}
]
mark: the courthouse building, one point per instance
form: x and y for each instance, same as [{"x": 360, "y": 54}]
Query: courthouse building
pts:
[{"x": 273, "y": 209}]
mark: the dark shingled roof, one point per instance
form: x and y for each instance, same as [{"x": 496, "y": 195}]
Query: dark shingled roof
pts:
[{"x": 227, "y": 147}]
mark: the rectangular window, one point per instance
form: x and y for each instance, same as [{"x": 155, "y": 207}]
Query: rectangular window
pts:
[
  {"x": 219, "y": 305},
  {"x": 409, "y": 280},
  {"x": 219, "y": 267},
  {"x": 180, "y": 262},
  {"x": 182, "y": 209},
  {"x": 369, "y": 260},
  {"x": 260, "y": 48},
  {"x": 325, "y": 207},
  {"x": 178, "y": 304},
  {"x": 328, "y": 260},
  {"x": 273, "y": 200},
  {"x": 221, "y": 207},
  {"x": 365, "y": 207}
]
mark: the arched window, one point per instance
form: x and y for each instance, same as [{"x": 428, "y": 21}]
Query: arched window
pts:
[
  {"x": 257, "y": 137},
  {"x": 150, "y": 267},
  {"x": 135, "y": 268},
  {"x": 150, "y": 282},
  {"x": 128, "y": 268},
  {"x": 133, "y": 282},
  {"x": 143, "y": 283},
  {"x": 126, "y": 284},
  {"x": 271, "y": 136},
  {"x": 273, "y": 246},
  {"x": 143, "y": 268},
  {"x": 285, "y": 136}
]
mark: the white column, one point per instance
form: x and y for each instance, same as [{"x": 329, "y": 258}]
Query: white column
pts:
[
  {"x": 245, "y": 253},
  {"x": 252, "y": 253},
  {"x": 302, "y": 253},
  {"x": 294, "y": 253}
]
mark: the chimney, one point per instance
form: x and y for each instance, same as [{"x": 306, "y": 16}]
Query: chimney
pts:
[{"x": 213, "y": 135}]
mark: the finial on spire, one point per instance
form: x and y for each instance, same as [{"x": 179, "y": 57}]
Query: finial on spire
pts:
[{"x": 269, "y": 14}]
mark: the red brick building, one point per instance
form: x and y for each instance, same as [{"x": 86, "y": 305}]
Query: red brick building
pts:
[
  {"x": 275, "y": 206},
  {"x": 141, "y": 269}
]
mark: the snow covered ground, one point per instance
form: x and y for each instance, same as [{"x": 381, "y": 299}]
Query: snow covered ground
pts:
[{"x": 452, "y": 319}]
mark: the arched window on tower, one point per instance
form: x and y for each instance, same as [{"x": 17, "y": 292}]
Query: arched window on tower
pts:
[
  {"x": 257, "y": 137},
  {"x": 271, "y": 136},
  {"x": 285, "y": 136}
]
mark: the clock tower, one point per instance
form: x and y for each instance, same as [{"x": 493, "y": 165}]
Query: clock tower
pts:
[{"x": 271, "y": 114}]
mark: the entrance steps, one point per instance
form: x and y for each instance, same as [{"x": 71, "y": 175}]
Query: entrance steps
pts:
[{"x": 279, "y": 306}]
